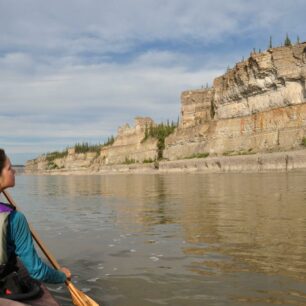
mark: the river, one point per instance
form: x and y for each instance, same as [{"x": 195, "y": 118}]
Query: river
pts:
[{"x": 174, "y": 239}]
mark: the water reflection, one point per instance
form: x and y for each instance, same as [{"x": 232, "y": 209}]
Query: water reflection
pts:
[{"x": 229, "y": 239}]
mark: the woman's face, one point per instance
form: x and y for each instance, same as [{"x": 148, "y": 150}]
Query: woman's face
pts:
[{"x": 7, "y": 178}]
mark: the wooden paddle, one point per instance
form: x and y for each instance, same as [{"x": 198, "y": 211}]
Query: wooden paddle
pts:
[{"x": 79, "y": 298}]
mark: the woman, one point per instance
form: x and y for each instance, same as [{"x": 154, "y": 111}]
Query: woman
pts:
[{"x": 16, "y": 242}]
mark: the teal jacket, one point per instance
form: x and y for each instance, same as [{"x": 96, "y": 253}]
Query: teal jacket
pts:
[{"x": 20, "y": 242}]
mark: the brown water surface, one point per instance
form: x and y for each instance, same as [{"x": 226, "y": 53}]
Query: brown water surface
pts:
[{"x": 175, "y": 239}]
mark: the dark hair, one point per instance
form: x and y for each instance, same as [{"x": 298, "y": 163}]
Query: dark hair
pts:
[{"x": 2, "y": 160}]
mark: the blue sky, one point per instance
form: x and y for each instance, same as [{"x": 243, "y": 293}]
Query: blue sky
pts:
[{"x": 76, "y": 70}]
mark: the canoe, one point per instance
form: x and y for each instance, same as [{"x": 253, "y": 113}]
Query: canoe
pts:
[{"x": 46, "y": 299}]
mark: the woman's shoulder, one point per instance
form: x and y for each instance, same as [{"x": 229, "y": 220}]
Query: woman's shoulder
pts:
[
  {"x": 17, "y": 217},
  {"x": 18, "y": 225},
  {"x": 17, "y": 214}
]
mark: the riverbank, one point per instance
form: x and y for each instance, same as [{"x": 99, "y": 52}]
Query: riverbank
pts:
[{"x": 263, "y": 162}]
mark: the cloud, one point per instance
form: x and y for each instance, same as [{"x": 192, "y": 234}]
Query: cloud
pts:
[
  {"x": 79, "y": 87},
  {"x": 72, "y": 27}
]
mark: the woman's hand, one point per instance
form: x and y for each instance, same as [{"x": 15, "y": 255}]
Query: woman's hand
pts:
[{"x": 67, "y": 272}]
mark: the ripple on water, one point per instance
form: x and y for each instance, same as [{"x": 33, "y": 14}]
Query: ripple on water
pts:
[{"x": 227, "y": 239}]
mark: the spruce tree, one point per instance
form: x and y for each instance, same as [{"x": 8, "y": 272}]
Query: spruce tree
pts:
[
  {"x": 287, "y": 42},
  {"x": 270, "y": 43}
]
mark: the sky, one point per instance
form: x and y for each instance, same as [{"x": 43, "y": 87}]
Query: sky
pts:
[{"x": 73, "y": 71}]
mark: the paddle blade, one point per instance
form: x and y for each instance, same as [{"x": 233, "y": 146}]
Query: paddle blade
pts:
[{"x": 79, "y": 298}]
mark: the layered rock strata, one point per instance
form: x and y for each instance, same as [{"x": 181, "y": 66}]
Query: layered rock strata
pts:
[
  {"x": 128, "y": 147},
  {"x": 258, "y": 106},
  {"x": 72, "y": 162},
  {"x": 260, "y": 162}
]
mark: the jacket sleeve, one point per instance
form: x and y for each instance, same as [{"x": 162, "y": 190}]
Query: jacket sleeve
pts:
[{"x": 24, "y": 249}]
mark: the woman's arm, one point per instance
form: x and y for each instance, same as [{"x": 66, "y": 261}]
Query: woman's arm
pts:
[{"x": 21, "y": 237}]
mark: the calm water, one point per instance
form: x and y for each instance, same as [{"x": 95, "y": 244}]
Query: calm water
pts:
[{"x": 175, "y": 239}]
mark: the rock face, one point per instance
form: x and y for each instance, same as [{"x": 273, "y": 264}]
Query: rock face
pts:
[
  {"x": 128, "y": 147},
  {"x": 37, "y": 165},
  {"x": 263, "y": 162},
  {"x": 72, "y": 162},
  {"x": 272, "y": 79},
  {"x": 258, "y": 106},
  {"x": 196, "y": 107},
  {"x": 129, "y": 144}
]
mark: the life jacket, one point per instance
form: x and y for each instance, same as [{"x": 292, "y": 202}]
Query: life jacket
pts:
[
  {"x": 7, "y": 262},
  {"x": 12, "y": 285}
]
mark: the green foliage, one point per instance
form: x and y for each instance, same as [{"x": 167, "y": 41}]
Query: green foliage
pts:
[
  {"x": 51, "y": 165},
  {"x": 198, "y": 155},
  {"x": 110, "y": 141},
  {"x": 304, "y": 141},
  {"x": 50, "y": 157},
  {"x": 83, "y": 147},
  {"x": 86, "y": 147},
  {"x": 159, "y": 132},
  {"x": 212, "y": 109},
  {"x": 241, "y": 152},
  {"x": 129, "y": 161},
  {"x": 270, "y": 43},
  {"x": 148, "y": 161},
  {"x": 287, "y": 42}
]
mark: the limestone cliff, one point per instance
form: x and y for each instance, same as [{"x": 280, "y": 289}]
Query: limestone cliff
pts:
[
  {"x": 72, "y": 162},
  {"x": 128, "y": 147},
  {"x": 257, "y": 106},
  {"x": 267, "y": 80}
]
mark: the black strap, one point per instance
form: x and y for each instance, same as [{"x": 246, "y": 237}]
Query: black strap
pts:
[{"x": 9, "y": 267}]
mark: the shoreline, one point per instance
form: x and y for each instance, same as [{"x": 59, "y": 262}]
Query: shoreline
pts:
[{"x": 254, "y": 163}]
